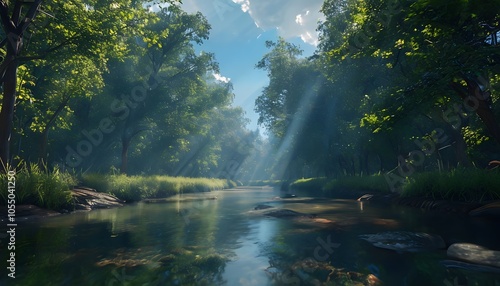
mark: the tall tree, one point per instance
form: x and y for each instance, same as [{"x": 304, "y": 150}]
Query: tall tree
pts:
[{"x": 14, "y": 25}]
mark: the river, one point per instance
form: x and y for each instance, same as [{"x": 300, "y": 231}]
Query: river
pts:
[{"x": 222, "y": 242}]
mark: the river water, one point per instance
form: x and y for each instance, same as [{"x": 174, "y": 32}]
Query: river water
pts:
[{"x": 223, "y": 242}]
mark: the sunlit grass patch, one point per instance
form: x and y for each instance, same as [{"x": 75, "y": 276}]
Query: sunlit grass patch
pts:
[
  {"x": 40, "y": 186},
  {"x": 135, "y": 188},
  {"x": 470, "y": 185},
  {"x": 314, "y": 185}
]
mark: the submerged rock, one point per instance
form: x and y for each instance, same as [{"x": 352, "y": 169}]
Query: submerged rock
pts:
[
  {"x": 492, "y": 209},
  {"x": 470, "y": 266},
  {"x": 284, "y": 213},
  {"x": 262, "y": 207},
  {"x": 312, "y": 272},
  {"x": 405, "y": 241},
  {"x": 475, "y": 254}
]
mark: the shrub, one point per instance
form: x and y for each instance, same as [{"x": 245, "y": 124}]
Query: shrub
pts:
[
  {"x": 40, "y": 186},
  {"x": 460, "y": 184}
]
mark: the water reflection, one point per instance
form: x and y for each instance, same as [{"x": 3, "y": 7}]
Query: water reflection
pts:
[{"x": 216, "y": 242}]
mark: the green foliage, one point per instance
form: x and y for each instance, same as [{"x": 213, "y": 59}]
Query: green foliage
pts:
[
  {"x": 136, "y": 188},
  {"x": 470, "y": 185},
  {"x": 312, "y": 185},
  {"x": 41, "y": 187},
  {"x": 329, "y": 187}
]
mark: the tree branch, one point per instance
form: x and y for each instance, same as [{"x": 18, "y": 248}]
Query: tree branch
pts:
[
  {"x": 6, "y": 21},
  {"x": 16, "y": 14}
]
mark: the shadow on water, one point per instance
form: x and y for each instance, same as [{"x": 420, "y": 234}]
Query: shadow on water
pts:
[{"x": 217, "y": 242}]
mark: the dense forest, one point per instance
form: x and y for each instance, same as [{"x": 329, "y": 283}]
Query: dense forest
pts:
[
  {"x": 395, "y": 86},
  {"x": 126, "y": 159},
  {"x": 117, "y": 86}
]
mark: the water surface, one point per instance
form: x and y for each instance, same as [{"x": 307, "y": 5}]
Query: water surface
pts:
[{"x": 220, "y": 242}]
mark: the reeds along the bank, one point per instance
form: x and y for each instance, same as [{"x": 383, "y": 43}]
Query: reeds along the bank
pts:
[
  {"x": 135, "y": 188},
  {"x": 40, "y": 186}
]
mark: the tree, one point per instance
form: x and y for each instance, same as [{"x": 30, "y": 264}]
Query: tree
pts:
[
  {"x": 94, "y": 29},
  {"x": 437, "y": 48},
  {"x": 14, "y": 25}
]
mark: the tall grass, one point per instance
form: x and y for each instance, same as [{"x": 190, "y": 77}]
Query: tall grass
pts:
[
  {"x": 470, "y": 185},
  {"x": 310, "y": 186},
  {"x": 135, "y": 188},
  {"x": 40, "y": 186}
]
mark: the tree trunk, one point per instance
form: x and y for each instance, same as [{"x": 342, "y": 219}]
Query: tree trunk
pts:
[
  {"x": 8, "y": 103},
  {"x": 44, "y": 138},
  {"x": 14, "y": 28},
  {"x": 124, "y": 164},
  {"x": 479, "y": 101}
]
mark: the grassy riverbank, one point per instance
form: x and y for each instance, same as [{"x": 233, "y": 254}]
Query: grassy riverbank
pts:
[
  {"x": 38, "y": 186},
  {"x": 136, "y": 188},
  {"x": 468, "y": 185},
  {"x": 51, "y": 189}
]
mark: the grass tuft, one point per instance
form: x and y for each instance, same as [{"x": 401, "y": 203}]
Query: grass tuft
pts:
[
  {"x": 136, "y": 188},
  {"x": 469, "y": 185},
  {"x": 40, "y": 186}
]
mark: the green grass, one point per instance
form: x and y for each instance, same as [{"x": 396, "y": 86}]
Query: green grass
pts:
[
  {"x": 326, "y": 187},
  {"x": 135, "y": 188},
  {"x": 467, "y": 185},
  {"x": 40, "y": 186},
  {"x": 311, "y": 186},
  {"x": 470, "y": 185}
]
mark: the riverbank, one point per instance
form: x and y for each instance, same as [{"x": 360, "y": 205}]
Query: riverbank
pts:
[{"x": 490, "y": 207}]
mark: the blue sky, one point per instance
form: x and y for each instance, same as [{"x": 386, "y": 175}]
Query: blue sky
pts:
[{"x": 239, "y": 31}]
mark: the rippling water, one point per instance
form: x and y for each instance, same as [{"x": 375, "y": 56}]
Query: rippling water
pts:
[{"x": 221, "y": 242}]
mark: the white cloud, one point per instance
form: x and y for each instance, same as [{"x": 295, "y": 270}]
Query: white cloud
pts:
[
  {"x": 245, "y": 4},
  {"x": 221, "y": 78},
  {"x": 292, "y": 18}
]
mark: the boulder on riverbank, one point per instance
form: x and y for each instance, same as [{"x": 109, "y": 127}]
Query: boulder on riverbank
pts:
[{"x": 89, "y": 199}]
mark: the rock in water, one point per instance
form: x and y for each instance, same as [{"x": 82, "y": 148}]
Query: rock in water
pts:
[
  {"x": 405, "y": 241},
  {"x": 475, "y": 254},
  {"x": 284, "y": 213},
  {"x": 469, "y": 266},
  {"x": 492, "y": 209},
  {"x": 262, "y": 207}
]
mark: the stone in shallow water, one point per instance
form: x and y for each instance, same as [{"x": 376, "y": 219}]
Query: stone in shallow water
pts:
[
  {"x": 491, "y": 209},
  {"x": 475, "y": 254},
  {"x": 283, "y": 213},
  {"x": 262, "y": 207},
  {"x": 405, "y": 241},
  {"x": 469, "y": 266}
]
